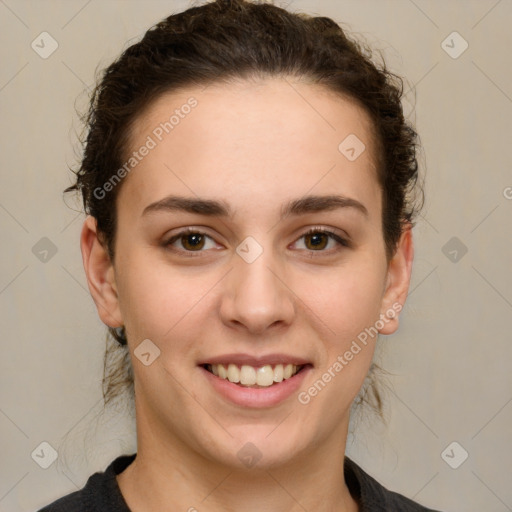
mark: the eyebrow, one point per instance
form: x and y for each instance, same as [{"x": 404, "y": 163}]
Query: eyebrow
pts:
[{"x": 211, "y": 207}]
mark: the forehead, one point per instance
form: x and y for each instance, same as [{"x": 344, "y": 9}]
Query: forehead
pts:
[{"x": 249, "y": 142}]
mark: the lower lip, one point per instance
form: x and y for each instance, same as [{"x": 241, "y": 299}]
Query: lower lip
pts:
[{"x": 257, "y": 397}]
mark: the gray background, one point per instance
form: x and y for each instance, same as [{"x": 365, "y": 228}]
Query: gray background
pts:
[{"x": 452, "y": 353}]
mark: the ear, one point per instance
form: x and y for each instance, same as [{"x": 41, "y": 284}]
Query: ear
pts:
[
  {"x": 397, "y": 282},
  {"x": 100, "y": 274}
]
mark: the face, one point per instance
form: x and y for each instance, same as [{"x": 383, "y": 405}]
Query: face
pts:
[{"x": 247, "y": 285}]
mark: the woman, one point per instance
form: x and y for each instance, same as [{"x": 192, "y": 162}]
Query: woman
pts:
[{"x": 249, "y": 179}]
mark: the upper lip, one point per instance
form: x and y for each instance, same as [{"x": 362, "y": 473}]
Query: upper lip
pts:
[{"x": 256, "y": 361}]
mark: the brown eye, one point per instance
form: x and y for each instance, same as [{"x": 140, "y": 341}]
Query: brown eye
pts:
[
  {"x": 318, "y": 240},
  {"x": 191, "y": 241}
]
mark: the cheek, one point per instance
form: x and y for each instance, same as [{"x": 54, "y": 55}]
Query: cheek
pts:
[
  {"x": 158, "y": 300},
  {"x": 164, "y": 303},
  {"x": 347, "y": 300}
]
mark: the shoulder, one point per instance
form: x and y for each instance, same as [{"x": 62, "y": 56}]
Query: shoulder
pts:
[
  {"x": 373, "y": 496},
  {"x": 100, "y": 493},
  {"x": 73, "y": 502}
]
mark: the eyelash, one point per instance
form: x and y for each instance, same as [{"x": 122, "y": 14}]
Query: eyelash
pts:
[{"x": 194, "y": 254}]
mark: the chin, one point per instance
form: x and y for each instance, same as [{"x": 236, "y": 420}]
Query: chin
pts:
[{"x": 260, "y": 447}]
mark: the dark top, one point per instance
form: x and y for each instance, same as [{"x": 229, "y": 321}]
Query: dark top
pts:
[{"x": 101, "y": 493}]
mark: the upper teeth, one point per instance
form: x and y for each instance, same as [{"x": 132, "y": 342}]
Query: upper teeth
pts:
[{"x": 249, "y": 375}]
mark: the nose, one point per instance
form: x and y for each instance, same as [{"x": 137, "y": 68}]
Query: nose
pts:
[{"x": 256, "y": 296}]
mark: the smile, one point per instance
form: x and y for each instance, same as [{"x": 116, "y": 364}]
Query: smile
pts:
[{"x": 255, "y": 377}]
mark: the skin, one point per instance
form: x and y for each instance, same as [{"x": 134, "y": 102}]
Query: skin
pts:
[{"x": 255, "y": 145}]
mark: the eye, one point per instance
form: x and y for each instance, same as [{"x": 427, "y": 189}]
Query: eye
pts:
[
  {"x": 191, "y": 240},
  {"x": 318, "y": 238}
]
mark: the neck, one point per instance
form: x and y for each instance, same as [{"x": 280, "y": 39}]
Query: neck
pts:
[{"x": 172, "y": 476}]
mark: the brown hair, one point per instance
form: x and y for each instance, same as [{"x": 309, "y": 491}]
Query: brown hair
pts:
[{"x": 229, "y": 39}]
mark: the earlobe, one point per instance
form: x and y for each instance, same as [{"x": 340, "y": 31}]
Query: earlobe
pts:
[
  {"x": 100, "y": 274},
  {"x": 397, "y": 282}
]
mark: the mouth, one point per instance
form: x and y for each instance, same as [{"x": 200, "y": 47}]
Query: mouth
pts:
[
  {"x": 257, "y": 377},
  {"x": 256, "y": 382}
]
